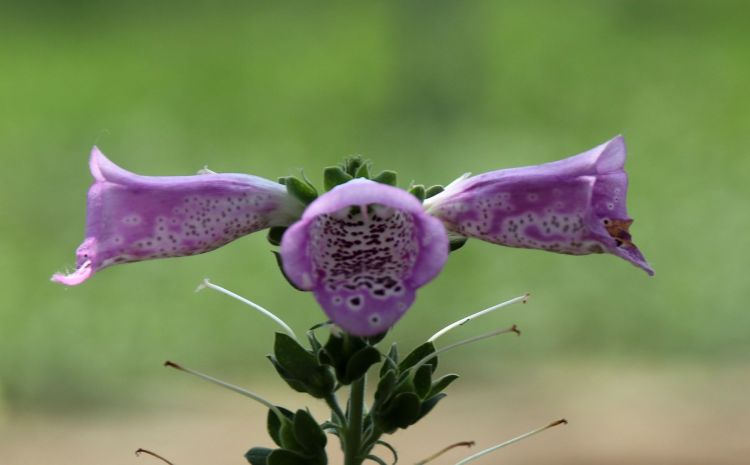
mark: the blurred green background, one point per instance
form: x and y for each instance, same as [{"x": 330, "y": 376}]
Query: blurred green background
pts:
[{"x": 430, "y": 89}]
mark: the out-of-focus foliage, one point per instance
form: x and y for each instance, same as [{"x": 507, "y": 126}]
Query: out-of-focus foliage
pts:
[{"x": 430, "y": 89}]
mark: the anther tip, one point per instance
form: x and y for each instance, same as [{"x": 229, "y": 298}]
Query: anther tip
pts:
[
  {"x": 204, "y": 284},
  {"x": 171, "y": 364},
  {"x": 526, "y": 297},
  {"x": 562, "y": 421},
  {"x": 515, "y": 329}
]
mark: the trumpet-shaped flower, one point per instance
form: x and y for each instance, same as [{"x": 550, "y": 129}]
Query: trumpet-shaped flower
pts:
[
  {"x": 363, "y": 249},
  {"x": 573, "y": 206},
  {"x": 132, "y": 218}
]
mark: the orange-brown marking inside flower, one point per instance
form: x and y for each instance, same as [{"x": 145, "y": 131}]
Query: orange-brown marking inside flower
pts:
[{"x": 619, "y": 230}]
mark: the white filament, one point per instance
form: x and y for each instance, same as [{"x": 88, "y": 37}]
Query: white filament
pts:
[
  {"x": 509, "y": 442},
  {"x": 208, "y": 284},
  {"x": 466, "y": 319},
  {"x": 512, "y": 329}
]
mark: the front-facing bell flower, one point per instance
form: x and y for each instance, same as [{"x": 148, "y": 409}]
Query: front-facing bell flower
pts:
[
  {"x": 131, "y": 218},
  {"x": 363, "y": 249},
  {"x": 573, "y": 206}
]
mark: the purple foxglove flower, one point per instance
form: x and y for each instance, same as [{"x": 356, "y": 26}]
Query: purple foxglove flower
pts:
[
  {"x": 132, "y": 218},
  {"x": 363, "y": 249},
  {"x": 573, "y": 206}
]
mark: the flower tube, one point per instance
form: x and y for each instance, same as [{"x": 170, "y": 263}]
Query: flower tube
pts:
[
  {"x": 573, "y": 206},
  {"x": 130, "y": 218}
]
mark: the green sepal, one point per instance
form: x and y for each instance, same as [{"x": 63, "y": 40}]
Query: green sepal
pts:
[
  {"x": 283, "y": 179},
  {"x": 334, "y": 176},
  {"x": 433, "y": 191},
  {"x": 360, "y": 362},
  {"x": 439, "y": 385},
  {"x": 363, "y": 171},
  {"x": 338, "y": 351},
  {"x": 314, "y": 342},
  {"x": 352, "y": 163},
  {"x": 423, "y": 380},
  {"x": 455, "y": 242},
  {"x": 274, "y": 423},
  {"x": 308, "y": 433},
  {"x": 428, "y": 405},
  {"x": 258, "y": 455},
  {"x": 418, "y": 354},
  {"x": 418, "y": 192},
  {"x": 391, "y": 360},
  {"x": 275, "y": 233},
  {"x": 301, "y": 190},
  {"x": 373, "y": 340},
  {"x": 385, "y": 388},
  {"x": 387, "y": 177}
]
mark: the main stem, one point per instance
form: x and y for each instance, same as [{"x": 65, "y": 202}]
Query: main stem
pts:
[{"x": 353, "y": 443}]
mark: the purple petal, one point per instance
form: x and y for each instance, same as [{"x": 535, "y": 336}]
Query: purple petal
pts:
[
  {"x": 573, "y": 206},
  {"x": 132, "y": 218},
  {"x": 363, "y": 249}
]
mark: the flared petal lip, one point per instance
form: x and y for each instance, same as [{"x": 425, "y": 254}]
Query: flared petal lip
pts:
[
  {"x": 81, "y": 274},
  {"x": 433, "y": 237}
]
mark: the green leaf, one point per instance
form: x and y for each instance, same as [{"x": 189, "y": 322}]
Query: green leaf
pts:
[
  {"x": 439, "y": 385},
  {"x": 292, "y": 356},
  {"x": 308, "y": 433},
  {"x": 290, "y": 379},
  {"x": 387, "y": 177},
  {"x": 360, "y": 362},
  {"x": 423, "y": 380},
  {"x": 404, "y": 409},
  {"x": 289, "y": 457},
  {"x": 390, "y": 448},
  {"x": 334, "y": 176},
  {"x": 275, "y": 233},
  {"x": 433, "y": 191},
  {"x": 418, "y": 192},
  {"x": 418, "y": 354},
  {"x": 300, "y": 368},
  {"x": 301, "y": 190},
  {"x": 258, "y": 455},
  {"x": 376, "y": 459},
  {"x": 273, "y": 424},
  {"x": 288, "y": 438}
]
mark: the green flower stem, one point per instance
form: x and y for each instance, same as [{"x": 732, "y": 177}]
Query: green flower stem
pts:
[{"x": 353, "y": 442}]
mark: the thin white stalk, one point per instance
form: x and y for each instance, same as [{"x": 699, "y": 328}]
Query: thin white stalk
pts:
[
  {"x": 208, "y": 284},
  {"x": 512, "y": 329},
  {"x": 509, "y": 442},
  {"x": 229, "y": 386},
  {"x": 524, "y": 298}
]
